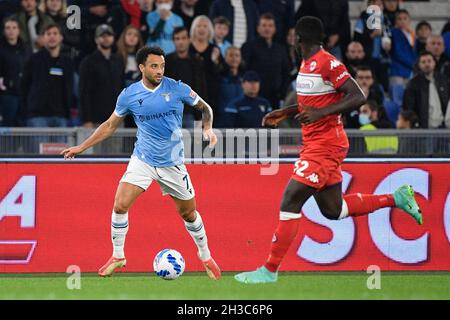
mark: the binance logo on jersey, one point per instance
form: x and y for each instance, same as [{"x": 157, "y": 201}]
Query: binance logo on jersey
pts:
[{"x": 334, "y": 63}]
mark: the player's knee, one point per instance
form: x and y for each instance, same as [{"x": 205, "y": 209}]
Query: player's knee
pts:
[
  {"x": 120, "y": 206},
  {"x": 188, "y": 214}
]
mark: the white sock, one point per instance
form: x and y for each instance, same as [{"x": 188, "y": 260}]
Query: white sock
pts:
[
  {"x": 119, "y": 229},
  {"x": 198, "y": 233}
]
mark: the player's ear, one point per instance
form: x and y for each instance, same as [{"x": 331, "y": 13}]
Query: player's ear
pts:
[{"x": 141, "y": 67}]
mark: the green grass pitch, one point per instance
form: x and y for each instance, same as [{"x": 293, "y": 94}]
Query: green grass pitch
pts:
[{"x": 305, "y": 285}]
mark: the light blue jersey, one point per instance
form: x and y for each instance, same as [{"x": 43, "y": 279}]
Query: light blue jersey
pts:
[
  {"x": 158, "y": 115},
  {"x": 164, "y": 40}
]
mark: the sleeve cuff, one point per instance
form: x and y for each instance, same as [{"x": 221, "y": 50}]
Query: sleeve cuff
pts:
[
  {"x": 196, "y": 100},
  {"x": 119, "y": 115}
]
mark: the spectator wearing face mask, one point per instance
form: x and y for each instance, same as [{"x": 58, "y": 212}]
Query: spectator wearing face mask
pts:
[
  {"x": 373, "y": 114},
  {"x": 161, "y": 24},
  {"x": 372, "y": 117}
]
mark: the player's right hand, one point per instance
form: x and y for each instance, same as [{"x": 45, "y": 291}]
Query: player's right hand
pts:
[
  {"x": 71, "y": 152},
  {"x": 273, "y": 118}
]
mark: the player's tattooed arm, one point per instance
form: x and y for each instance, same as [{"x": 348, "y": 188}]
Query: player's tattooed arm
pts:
[
  {"x": 207, "y": 113},
  {"x": 207, "y": 117},
  {"x": 353, "y": 98}
]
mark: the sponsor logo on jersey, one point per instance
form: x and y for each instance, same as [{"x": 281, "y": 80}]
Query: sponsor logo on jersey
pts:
[
  {"x": 156, "y": 116},
  {"x": 342, "y": 75},
  {"x": 312, "y": 66},
  {"x": 334, "y": 64},
  {"x": 305, "y": 84},
  {"x": 312, "y": 85}
]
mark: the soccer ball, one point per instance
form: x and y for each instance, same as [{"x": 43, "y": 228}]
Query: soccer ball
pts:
[{"x": 168, "y": 264}]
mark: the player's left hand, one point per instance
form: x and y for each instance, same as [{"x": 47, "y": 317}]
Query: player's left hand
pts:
[
  {"x": 210, "y": 136},
  {"x": 310, "y": 115}
]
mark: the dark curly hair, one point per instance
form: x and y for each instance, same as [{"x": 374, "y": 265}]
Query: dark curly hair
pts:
[{"x": 145, "y": 51}]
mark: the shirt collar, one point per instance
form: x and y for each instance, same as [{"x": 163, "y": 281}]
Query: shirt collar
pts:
[{"x": 152, "y": 90}]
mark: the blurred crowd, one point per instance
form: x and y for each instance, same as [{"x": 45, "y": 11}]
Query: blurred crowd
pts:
[{"x": 61, "y": 67}]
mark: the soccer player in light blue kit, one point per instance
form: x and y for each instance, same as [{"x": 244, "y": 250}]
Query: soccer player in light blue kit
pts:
[{"x": 156, "y": 104}]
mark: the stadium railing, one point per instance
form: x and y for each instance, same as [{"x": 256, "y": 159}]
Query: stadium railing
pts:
[{"x": 233, "y": 143}]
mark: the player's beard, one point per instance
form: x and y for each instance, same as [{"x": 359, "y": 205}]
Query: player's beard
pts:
[{"x": 153, "y": 81}]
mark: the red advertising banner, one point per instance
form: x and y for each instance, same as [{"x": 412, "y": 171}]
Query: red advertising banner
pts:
[{"x": 53, "y": 215}]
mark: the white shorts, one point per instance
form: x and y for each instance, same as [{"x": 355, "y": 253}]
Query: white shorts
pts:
[{"x": 172, "y": 180}]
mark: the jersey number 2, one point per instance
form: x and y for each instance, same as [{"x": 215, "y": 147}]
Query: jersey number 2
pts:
[{"x": 300, "y": 166}]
